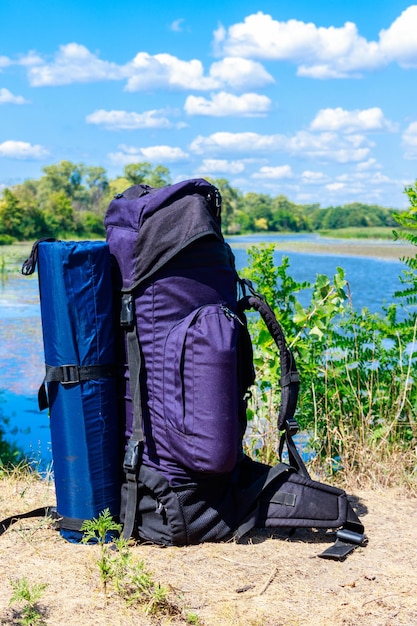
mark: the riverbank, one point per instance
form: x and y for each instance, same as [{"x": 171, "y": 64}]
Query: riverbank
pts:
[
  {"x": 372, "y": 248},
  {"x": 12, "y": 256},
  {"x": 269, "y": 580}
]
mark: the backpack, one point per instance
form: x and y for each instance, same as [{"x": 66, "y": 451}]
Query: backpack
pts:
[{"x": 186, "y": 368}]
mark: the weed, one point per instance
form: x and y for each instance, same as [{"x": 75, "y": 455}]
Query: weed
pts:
[
  {"x": 99, "y": 530},
  {"x": 31, "y": 613}
]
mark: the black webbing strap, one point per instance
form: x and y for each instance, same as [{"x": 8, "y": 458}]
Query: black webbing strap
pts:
[
  {"x": 294, "y": 456},
  {"x": 289, "y": 381},
  {"x": 59, "y": 521},
  {"x": 133, "y": 449},
  {"x": 71, "y": 375},
  {"x": 347, "y": 538},
  {"x": 252, "y": 497},
  {"x": 44, "y": 511},
  {"x": 29, "y": 265}
]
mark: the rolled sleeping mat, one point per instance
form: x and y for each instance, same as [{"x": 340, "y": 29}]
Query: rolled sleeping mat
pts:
[{"x": 77, "y": 323}]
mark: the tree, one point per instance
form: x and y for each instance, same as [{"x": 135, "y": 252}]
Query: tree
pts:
[
  {"x": 11, "y": 214},
  {"x": 259, "y": 207},
  {"x": 59, "y": 214},
  {"x": 287, "y": 216},
  {"x": 65, "y": 177},
  {"x": 144, "y": 174}
]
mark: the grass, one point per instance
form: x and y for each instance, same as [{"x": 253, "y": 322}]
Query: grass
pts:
[{"x": 382, "y": 232}]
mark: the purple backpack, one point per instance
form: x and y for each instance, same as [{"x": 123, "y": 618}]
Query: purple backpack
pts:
[{"x": 185, "y": 357}]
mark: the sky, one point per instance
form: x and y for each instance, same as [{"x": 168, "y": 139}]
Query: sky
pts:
[{"x": 313, "y": 100}]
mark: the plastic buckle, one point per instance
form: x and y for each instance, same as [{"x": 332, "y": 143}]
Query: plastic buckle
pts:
[
  {"x": 70, "y": 374},
  {"x": 350, "y": 536},
  {"x": 291, "y": 426},
  {"x": 131, "y": 459},
  {"x": 126, "y": 312}
]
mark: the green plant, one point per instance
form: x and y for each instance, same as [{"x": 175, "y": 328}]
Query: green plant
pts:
[
  {"x": 28, "y": 595},
  {"x": 358, "y": 393},
  {"x": 129, "y": 578},
  {"x": 99, "y": 530}
]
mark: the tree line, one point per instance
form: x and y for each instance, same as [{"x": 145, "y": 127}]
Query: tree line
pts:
[{"x": 70, "y": 200}]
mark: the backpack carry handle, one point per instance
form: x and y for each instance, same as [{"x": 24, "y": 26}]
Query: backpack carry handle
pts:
[{"x": 290, "y": 381}]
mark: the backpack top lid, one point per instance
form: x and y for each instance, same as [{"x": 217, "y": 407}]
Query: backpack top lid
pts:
[{"x": 146, "y": 227}]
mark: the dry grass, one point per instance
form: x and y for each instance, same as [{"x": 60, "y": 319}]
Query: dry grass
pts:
[{"x": 269, "y": 580}]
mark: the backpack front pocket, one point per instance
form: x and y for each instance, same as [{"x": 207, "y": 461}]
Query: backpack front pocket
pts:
[{"x": 201, "y": 390}]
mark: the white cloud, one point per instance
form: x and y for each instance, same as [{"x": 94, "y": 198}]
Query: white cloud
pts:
[
  {"x": 370, "y": 164},
  {"x": 320, "y": 52},
  {"x": 4, "y": 62},
  {"x": 177, "y": 25},
  {"x": 161, "y": 154},
  {"x": 22, "y": 150},
  {"x": 339, "y": 119},
  {"x": 410, "y": 141},
  {"x": 221, "y": 166},
  {"x": 274, "y": 172},
  {"x": 6, "y": 97},
  {"x": 240, "y": 73},
  {"x": 74, "y": 63},
  {"x": 225, "y": 104},
  {"x": 310, "y": 177},
  {"x": 124, "y": 120},
  {"x": 165, "y": 70},
  {"x": 335, "y": 186},
  {"x": 399, "y": 41},
  {"x": 324, "y": 146}
]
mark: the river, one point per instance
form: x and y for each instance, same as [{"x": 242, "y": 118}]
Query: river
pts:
[{"x": 372, "y": 281}]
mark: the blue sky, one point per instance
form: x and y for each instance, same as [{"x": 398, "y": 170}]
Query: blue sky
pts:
[{"x": 314, "y": 100}]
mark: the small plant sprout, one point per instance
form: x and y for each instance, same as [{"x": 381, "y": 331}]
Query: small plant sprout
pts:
[
  {"x": 99, "y": 530},
  {"x": 27, "y": 595}
]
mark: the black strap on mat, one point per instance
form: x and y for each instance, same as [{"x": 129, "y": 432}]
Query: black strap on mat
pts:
[
  {"x": 71, "y": 375},
  {"x": 59, "y": 521},
  {"x": 44, "y": 511},
  {"x": 29, "y": 265}
]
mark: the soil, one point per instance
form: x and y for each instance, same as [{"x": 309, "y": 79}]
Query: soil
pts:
[{"x": 269, "y": 580}]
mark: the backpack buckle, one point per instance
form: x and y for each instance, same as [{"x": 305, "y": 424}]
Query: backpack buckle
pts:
[
  {"x": 126, "y": 311},
  {"x": 70, "y": 374}
]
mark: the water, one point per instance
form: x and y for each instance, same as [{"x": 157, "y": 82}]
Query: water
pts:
[{"x": 372, "y": 283}]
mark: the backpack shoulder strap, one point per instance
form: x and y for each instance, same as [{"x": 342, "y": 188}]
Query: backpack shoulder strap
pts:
[
  {"x": 133, "y": 451},
  {"x": 289, "y": 381}
]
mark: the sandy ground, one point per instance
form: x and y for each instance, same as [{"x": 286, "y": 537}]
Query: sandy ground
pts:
[{"x": 266, "y": 581}]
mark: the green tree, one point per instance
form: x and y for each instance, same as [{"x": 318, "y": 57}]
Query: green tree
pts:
[
  {"x": 59, "y": 214},
  {"x": 144, "y": 174},
  {"x": 259, "y": 207},
  {"x": 287, "y": 216},
  {"x": 11, "y": 214},
  {"x": 63, "y": 177},
  {"x": 97, "y": 185}
]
